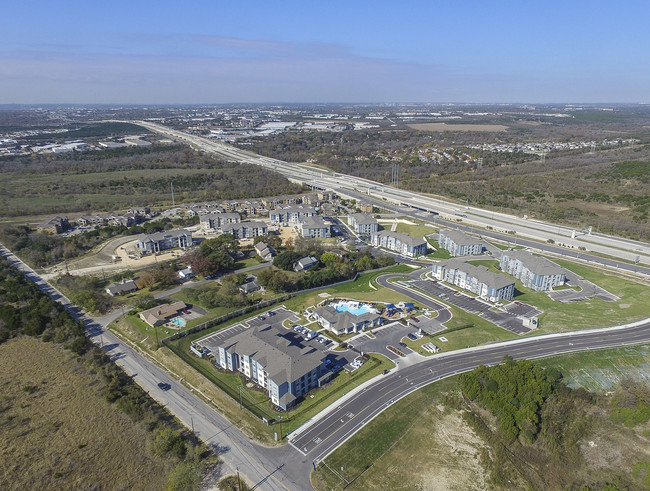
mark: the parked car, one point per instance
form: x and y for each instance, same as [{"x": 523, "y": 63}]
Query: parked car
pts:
[
  {"x": 271, "y": 314},
  {"x": 413, "y": 318}
]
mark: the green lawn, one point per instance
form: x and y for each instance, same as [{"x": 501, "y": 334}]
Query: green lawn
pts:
[
  {"x": 439, "y": 252},
  {"x": 420, "y": 229}
]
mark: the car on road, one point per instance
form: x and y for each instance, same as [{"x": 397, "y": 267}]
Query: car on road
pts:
[{"x": 164, "y": 386}]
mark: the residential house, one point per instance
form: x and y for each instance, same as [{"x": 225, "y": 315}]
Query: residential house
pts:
[
  {"x": 54, "y": 225},
  {"x": 186, "y": 274},
  {"x": 121, "y": 288},
  {"x": 264, "y": 251},
  {"x": 161, "y": 314},
  {"x": 305, "y": 264},
  {"x": 400, "y": 243}
]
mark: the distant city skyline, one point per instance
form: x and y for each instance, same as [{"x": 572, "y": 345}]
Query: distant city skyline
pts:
[{"x": 207, "y": 52}]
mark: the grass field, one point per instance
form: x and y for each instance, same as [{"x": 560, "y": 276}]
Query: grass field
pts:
[
  {"x": 58, "y": 432},
  {"x": 600, "y": 371},
  {"x": 419, "y": 229}
]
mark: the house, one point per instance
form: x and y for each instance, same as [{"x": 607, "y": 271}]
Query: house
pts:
[
  {"x": 264, "y": 251},
  {"x": 459, "y": 243},
  {"x": 250, "y": 287},
  {"x": 400, "y": 243},
  {"x": 291, "y": 215},
  {"x": 211, "y": 222},
  {"x": 476, "y": 279},
  {"x": 54, "y": 225},
  {"x": 312, "y": 227},
  {"x": 362, "y": 223},
  {"x": 186, "y": 274},
  {"x": 245, "y": 230},
  {"x": 345, "y": 322},
  {"x": 305, "y": 264},
  {"x": 160, "y": 241},
  {"x": 537, "y": 273},
  {"x": 86, "y": 220},
  {"x": 161, "y": 314},
  {"x": 121, "y": 288},
  {"x": 281, "y": 361}
]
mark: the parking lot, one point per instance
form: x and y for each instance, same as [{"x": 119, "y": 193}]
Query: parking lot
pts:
[
  {"x": 509, "y": 320},
  {"x": 390, "y": 334},
  {"x": 216, "y": 339},
  {"x": 587, "y": 290}
]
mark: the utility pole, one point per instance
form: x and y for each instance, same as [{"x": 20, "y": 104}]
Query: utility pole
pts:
[
  {"x": 238, "y": 480},
  {"x": 173, "y": 202},
  {"x": 281, "y": 428},
  {"x": 239, "y": 387},
  {"x": 156, "y": 333}
]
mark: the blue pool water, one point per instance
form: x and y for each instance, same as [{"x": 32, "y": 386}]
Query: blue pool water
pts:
[
  {"x": 363, "y": 309},
  {"x": 179, "y": 321}
]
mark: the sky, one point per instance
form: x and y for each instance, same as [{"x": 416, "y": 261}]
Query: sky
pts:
[{"x": 172, "y": 52}]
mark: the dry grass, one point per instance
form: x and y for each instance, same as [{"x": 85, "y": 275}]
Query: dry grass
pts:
[
  {"x": 458, "y": 127},
  {"x": 58, "y": 432}
]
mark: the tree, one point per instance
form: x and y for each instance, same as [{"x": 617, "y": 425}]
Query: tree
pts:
[
  {"x": 286, "y": 260},
  {"x": 145, "y": 280},
  {"x": 201, "y": 265},
  {"x": 225, "y": 243},
  {"x": 329, "y": 258}
]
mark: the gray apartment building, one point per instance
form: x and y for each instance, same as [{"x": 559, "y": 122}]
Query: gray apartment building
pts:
[
  {"x": 160, "y": 241},
  {"x": 459, "y": 243},
  {"x": 281, "y": 361},
  {"x": 537, "y": 273},
  {"x": 245, "y": 230},
  {"x": 362, "y": 223},
  {"x": 312, "y": 227},
  {"x": 400, "y": 243},
  {"x": 211, "y": 222},
  {"x": 476, "y": 279},
  {"x": 291, "y": 215}
]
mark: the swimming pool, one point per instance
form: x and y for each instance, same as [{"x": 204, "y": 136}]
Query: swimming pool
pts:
[
  {"x": 179, "y": 321},
  {"x": 362, "y": 309},
  {"x": 354, "y": 307}
]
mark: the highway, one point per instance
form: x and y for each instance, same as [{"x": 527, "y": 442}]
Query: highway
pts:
[{"x": 384, "y": 195}]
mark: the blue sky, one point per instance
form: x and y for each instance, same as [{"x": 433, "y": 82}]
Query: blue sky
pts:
[{"x": 354, "y": 51}]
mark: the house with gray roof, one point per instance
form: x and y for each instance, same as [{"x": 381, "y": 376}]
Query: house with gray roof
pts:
[
  {"x": 281, "y": 361},
  {"x": 400, "y": 243},
  {"x": 459, "y": 243},
  {"x": 486, "y": 284},
  {"x": 535, "y": 272},
  {"x": 363, "y": 223},
  {"x": 305, "y": 263},
  {"x": 264, "y": 251},
  {"x": 161, "y": 314},
  {"x": 121, "y": 288}
]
